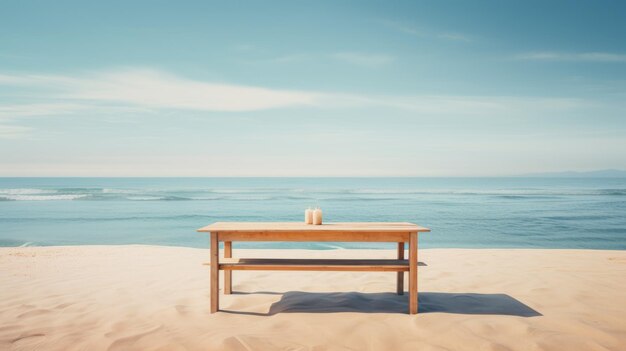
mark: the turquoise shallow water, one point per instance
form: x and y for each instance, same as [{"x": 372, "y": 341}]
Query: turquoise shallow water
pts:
[{"x": 462, "y": 212}]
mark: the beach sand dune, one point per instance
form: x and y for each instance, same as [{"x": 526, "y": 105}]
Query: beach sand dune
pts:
[{"x": 156, "y": 298}]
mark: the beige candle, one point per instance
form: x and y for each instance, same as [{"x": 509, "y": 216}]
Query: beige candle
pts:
[
  {"x": 317, "y": 216},
  {"x": 308, "y": 216}
]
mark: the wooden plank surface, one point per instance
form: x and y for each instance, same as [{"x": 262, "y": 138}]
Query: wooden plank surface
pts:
[
  {"x": 287, "y": 264},
  {"x": 215, "y": 277},
  {"x": 228, "y": 275},
  {"x": 400, "y": 277},
  {"x": 325, "y": 236},
  {"x": 413, "y": 274},
  {"x": 269, "y": 227}
]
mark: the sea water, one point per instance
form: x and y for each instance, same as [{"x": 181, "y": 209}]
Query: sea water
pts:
[{"x": 586, "y": 213}]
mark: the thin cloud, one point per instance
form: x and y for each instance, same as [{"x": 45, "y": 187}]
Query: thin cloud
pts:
[
  {"x": 143, "y": 91},
  {"x": 451, "y": 105},
  {"x": 135, "y": 91},
  {"x": 161, "y": 90},
  {"x": 155, "y": 89},
  {"x": 9, "y": 113},
  {"x": 409, "y": 29},
  {"x": 402, "y": 27},
  {"x": 580, "y": 57},
  {"x": 37, "y": 109},
  {"x": 13, "y": 132}
]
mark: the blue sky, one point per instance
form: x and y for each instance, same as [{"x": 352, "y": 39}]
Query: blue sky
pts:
[{"x": 311, "y": 88}]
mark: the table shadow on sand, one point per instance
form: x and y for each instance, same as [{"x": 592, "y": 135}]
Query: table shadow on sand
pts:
[{"x": 429, "y": 302}]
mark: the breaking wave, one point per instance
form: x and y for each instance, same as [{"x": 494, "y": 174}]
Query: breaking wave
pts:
[
  {"x": 270, "y": 194},
  {"x": 42, "y": 197}
]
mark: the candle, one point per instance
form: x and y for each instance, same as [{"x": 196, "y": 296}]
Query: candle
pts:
[
  {"x": 308, "y": 216},
  {"x": 317, "y": 216}
]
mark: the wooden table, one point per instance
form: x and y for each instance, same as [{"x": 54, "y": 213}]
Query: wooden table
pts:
[{"x": 399, "y": 233}]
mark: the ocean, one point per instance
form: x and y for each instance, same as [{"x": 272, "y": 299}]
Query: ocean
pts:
[{"x": 584, "y": 213}]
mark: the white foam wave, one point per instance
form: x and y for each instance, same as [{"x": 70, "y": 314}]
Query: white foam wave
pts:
[
  {"x": 145, "y": 198},
  {"x": 250, "y": 198},
  {"x": 237, "y": 191},
  {"x": 494, "y": 192},
  {"x": 334, "y": 247},
  {"x": 380, "y": 191},
  {"x": 26, "y": 191},
  {"x": 118, "y": 191},
  {"x": 42, "y": 197}
]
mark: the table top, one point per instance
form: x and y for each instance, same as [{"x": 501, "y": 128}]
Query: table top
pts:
[{"x": 361, "y": 227}]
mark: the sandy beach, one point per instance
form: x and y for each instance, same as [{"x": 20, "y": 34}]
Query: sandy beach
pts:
[{"x": 156, "y": 298}]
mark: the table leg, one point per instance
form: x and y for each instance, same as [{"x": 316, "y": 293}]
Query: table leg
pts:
[
  {"x": 412, "y": 273},
  {"x": 215, "y": 277},
  {"x": 228, "y": 274},
  {"x": 400, "y": 279}
]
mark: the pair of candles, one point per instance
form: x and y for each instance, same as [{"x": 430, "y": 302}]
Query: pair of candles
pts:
[{"x": 313, "y": 216}]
